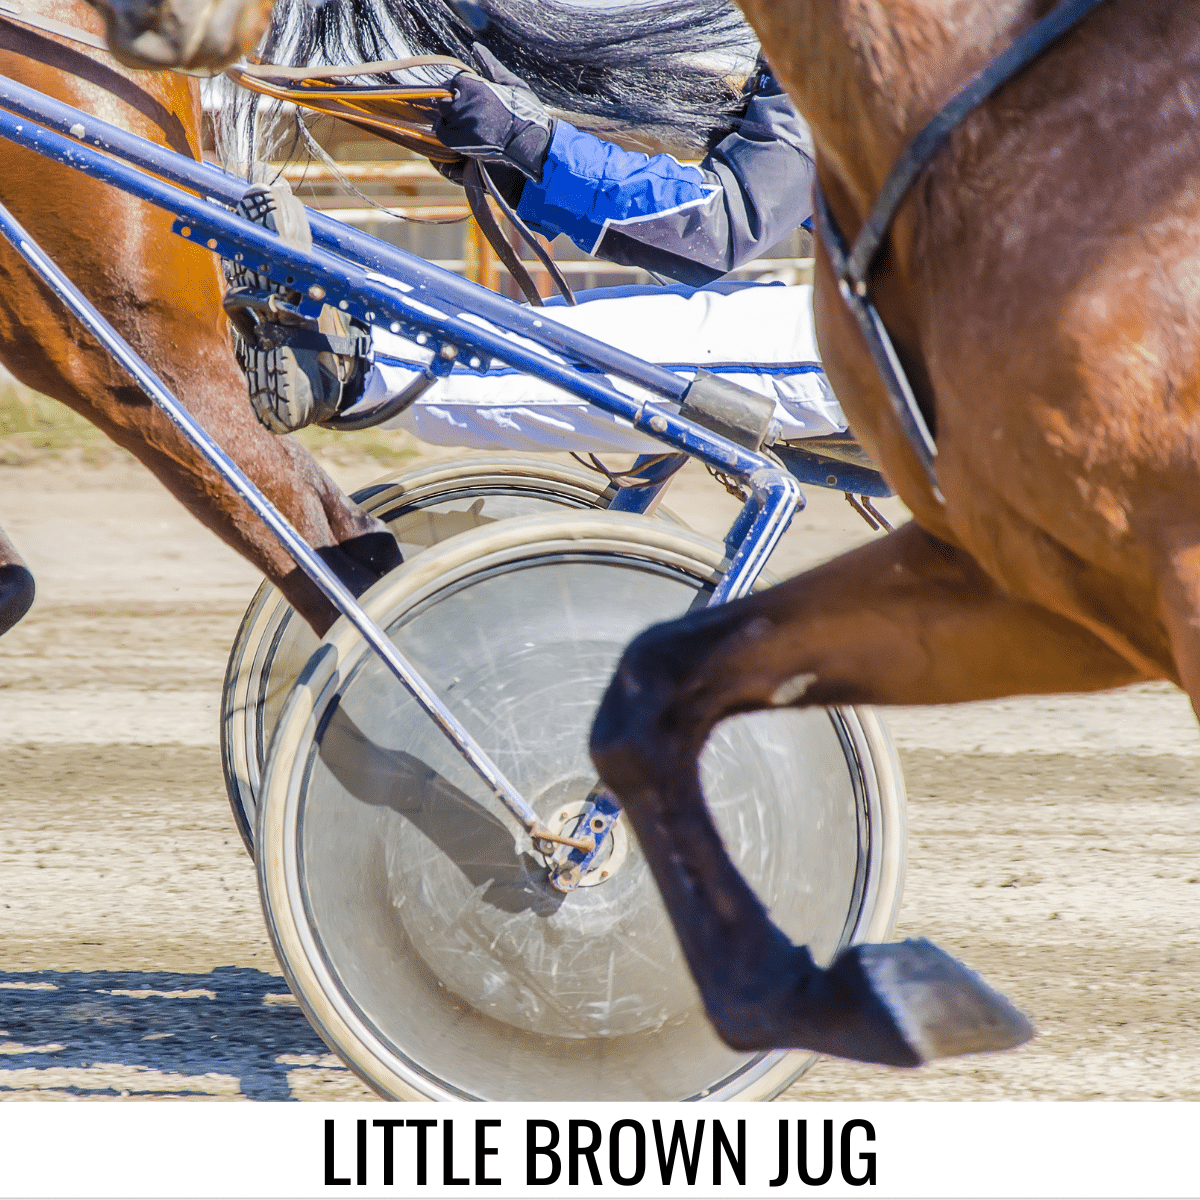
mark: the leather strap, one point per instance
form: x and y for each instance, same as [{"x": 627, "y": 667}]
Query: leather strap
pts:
[
  {"x": 399, "y": 114},
  {"x": 475, "y": 188},
  {"x": 552, "y": 268},
  {"x": 852, "y": 266},
  {"x": 879, "y": 343},
  {"x": 1034, "y": 42},
  {"x": 264, "y": 70}
]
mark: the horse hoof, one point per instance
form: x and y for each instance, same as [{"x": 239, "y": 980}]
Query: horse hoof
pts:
[
  {"x": 939, "y": 1007},
  {"x": 16, "y": 594}
]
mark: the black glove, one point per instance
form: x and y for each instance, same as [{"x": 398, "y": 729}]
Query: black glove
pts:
[{"x": 498, "y": 120}]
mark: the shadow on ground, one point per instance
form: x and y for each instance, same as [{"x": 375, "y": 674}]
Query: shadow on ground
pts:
[{"x": 234, "y": 1030}]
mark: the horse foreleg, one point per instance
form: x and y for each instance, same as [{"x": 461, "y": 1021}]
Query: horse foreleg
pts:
[
  {"x": 359, "y": 548},
  {"x": 1177, "y": 551},
  {"x": 904, "y": 620},
  {"x": 16, "y": 585}
]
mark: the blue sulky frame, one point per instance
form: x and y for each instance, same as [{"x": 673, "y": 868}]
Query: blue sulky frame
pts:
[{"x": 460, "y": 322}]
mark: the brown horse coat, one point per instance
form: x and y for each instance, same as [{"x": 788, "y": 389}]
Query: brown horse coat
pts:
[{"x": 1040, "y": 290}]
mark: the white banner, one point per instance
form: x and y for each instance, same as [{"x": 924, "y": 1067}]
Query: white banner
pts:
[{"x": 598, "y": 1150}]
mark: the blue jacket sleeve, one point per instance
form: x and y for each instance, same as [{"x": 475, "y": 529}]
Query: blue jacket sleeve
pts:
[{"x": 694, "y": 224}]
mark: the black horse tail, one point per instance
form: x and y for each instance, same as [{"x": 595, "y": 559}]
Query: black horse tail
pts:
[{"x": 660, "y": 74}]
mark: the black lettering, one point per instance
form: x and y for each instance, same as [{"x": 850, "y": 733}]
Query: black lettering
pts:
[
  {"x": 867, "y": 1157},
  {"x": 666, "y": 1158},
  {"x": 448, "y": 1156},
  {"x": 482, "y": 1150},
  {"x": 737, "y": 1162},
  {"x": 330, "y": 1177},
  {"x": 781, "y": 1178},
  {"x": 802, "y": 1154},
  {"x": 533, "y": 1151},
  {"x": 362, "y": 1153},
  {"x": 576, "y": 1151},
  {"x": 422, "y": 1126},
  {"x": 639, "y": 1153},
  {"x": 389, "y": 1157}
]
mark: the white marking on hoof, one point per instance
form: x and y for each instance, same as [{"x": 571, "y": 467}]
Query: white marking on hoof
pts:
[{"x": 791, "y": 691}]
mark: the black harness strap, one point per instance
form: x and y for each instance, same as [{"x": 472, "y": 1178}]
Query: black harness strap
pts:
[
  {"x": 476, "y": 178},
  {"x": 852, "y": 266},
  {"x": 474, "y": 174}
]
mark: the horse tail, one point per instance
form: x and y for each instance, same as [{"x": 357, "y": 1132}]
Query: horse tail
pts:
[{"x": 656, "y": 74}]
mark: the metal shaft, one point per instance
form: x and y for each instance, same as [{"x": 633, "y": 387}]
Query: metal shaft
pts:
[{"x": 305, "y": 557}]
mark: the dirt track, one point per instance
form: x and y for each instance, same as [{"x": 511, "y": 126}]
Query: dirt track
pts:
[{"x": 1053, "y": 844}]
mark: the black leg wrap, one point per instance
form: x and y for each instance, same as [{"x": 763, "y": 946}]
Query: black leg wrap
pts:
[
  {"x": 377, "y": 551},
  {"x": 16, "y": 594},
  {"x": 362, "y": 561}
]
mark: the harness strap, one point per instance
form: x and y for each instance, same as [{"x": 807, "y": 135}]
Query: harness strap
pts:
[
  {"x": 552, "y": 268},
  {"x": 399, "y": 114},
  {"x": 473, "y": 185},
  {"x": 879, "y": 343},
  {"x": 1032, "y": 43},
  {"x": 852, "y": 266},
  {"x": 350, "y": 70}
]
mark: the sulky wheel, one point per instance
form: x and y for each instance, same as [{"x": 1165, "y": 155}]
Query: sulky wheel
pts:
[
  {"x": 412, "y": 915},
  {"x": 423, "y": 506}
]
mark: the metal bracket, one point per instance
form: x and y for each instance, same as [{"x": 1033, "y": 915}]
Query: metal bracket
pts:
[
  {"x": 599, "y": 816},
  {"x": 353, "y": 420},
  {"x": 728, "y": 410}
]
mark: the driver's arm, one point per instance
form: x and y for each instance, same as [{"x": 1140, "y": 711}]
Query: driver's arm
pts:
[{"x": 693, "y": 224}]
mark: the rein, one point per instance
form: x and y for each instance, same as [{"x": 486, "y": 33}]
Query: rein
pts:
[
  {"x": 398, "y": 113},
  {"x": 402, "y": 114},
  {"x": 852, "y": 265}
]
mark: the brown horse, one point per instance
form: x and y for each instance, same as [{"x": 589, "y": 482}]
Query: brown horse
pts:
[
  {"x": 164, "y": 296},
  {"x": 1039, "y": 284}
]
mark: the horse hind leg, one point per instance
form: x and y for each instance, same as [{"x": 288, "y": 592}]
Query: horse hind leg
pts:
[
  {"x": 1177, "y": 551},
  {"x": 16, "y": 585},
  {"x": 904, "y": 620}
]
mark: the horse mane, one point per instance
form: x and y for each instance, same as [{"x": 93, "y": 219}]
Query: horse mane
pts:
[{"x": 657, "y": 73}]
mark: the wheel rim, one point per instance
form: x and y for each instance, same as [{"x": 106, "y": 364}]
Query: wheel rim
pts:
[{"x": 443, "y": 965}]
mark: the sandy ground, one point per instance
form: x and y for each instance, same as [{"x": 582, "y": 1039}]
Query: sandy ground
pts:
[{"x": 1053, "y": 843}]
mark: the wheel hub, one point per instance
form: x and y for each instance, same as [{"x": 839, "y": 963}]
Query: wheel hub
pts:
[{"x": 568, "y": 820}]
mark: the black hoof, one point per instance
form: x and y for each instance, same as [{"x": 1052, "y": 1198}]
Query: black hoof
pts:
[
  {"x": 16, "y": 594},
  {"x": 898, "y": 1005},
  {"x": 934, "y": 1005}
]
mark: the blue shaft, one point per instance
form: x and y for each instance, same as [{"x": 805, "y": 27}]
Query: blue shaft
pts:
[
  {"x": 305, "y": 557},
  {"x": 764, "y": 520},
  {"x": 376, "y": 298},
  {"x": 444, "y": 286},
  {"x": 426, "y": 301}
]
